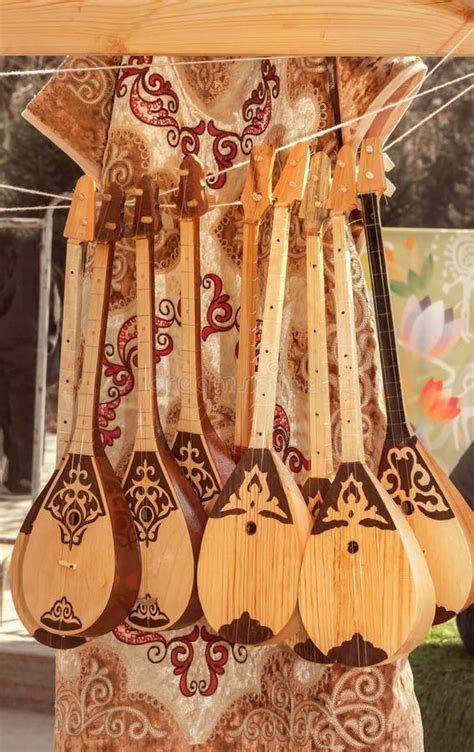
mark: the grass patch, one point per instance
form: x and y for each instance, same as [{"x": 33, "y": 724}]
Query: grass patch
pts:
[{"x": 444, "y": 685}]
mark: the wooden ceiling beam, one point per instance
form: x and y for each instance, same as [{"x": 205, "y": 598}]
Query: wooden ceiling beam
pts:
[{"x": 235, "y": 27}]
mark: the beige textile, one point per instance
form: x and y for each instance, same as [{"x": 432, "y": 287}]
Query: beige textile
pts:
[{"x": 191, "y": 690}]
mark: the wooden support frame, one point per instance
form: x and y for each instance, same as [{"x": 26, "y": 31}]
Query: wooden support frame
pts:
[{"x": 235, "y": 27}]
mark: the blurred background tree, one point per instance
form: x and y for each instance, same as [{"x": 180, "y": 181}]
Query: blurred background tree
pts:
[{"x": 433, "y": 173}]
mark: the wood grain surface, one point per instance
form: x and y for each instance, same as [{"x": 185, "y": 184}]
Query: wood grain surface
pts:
[{"x": 226, "y": 27}]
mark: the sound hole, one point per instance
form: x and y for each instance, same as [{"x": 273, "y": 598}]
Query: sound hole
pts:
[
  {"x": 408, "y": 507},
  {"x": 74, "y": 518},
  {"x": 251, "y": 528},
  {"x": 146, "y": 514},
  {"x": 352, "y": 547}
]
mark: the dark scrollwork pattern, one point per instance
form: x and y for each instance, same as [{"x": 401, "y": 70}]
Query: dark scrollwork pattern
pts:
[
  {"x": 75, "y": 500},
  {"x": 148, "y": 496},
  {"x": 61, "y": 616},
  {"x": 407, "y": 479}
]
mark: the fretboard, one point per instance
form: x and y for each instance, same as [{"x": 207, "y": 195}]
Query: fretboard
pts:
[
  {"x": 192, "y": 404},
  {"x": 248, "y": 316},
  {"x": 269, "y": 351},
  {"x": 70, "y": 348},
  {"x": 147, "y": 419},
  {"x": 397, "y": 428},
  {"x": 86, "y": 434},
  {"x": 352, "y": 439},
  {"x": 318, "y": 375}
]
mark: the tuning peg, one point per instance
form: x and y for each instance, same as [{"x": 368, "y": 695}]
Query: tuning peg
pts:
[
  {"x": 387, "y": 162},
  {"x": 390, "y": 189}
]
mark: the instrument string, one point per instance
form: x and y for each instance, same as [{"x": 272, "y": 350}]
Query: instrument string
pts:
[
  {"x": 374, "y": 254},
  {"x": 90, "y": 428},
  {"x": 357, "y": 564},
  {"x": 375, "y": 250}
]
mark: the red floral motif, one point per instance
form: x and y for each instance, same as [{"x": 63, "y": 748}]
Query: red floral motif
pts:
[
  {"x": 257, "y": 112},
  {"x": 121, "y": 371},
  {"x": 220, "y": 316},
  {"x": 181, "y": 653},
  {"x": 292, "y": 456},
  {"x": 153, "y": 101}
]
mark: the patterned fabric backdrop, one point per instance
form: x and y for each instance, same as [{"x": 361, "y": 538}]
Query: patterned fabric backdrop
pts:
[{"x": 191, "y": 689}]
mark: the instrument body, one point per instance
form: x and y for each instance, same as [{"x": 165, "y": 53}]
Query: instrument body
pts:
[
  {"x": 365, "y": 591},
  {"x": 256, "y": 200},
  {"x": 253, "y": 543},
  {"x": 81, "y": 535},
  {"x": 422, "y": 491},
  {"x": 79, "y": 229},
  {"x": 199, "y": 452},
  {"x": 168, "y": 517}
]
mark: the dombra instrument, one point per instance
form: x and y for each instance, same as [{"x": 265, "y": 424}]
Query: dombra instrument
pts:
[
  {"x": 168, "y": 516},
  {"x": 253, "y": 543},
  {"x": 422, "y": 491},
  {"x": 79, "y": 229},
  {"x": 200, "y": 453},
  {"x": 314, "y": 213},
  {"x": 81, "y": 566},
  {"x": 256, "y": 200},
  {"x": 365, "y": 592}
]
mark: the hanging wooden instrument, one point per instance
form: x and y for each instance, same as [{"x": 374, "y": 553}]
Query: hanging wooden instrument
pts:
[
  {"x": 168, "y": 516},
  {"x": 365, "y": 590},
  {"x": 81, "y": 566},
  {"x": 253, "y": 543},
  {"x": 79, "y": 229},
  {"x": 200, "y": 453},
  {"x": 256, "y": 200},
  {"x": 424, "y": 494},
  {"x": 314, "y": 212}
]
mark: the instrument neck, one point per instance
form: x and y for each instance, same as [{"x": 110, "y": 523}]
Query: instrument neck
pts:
[
  {"x": 248, "y": 321},
  {"x": 352, "y": 439},
  {"x": 70, "y": 343},
  {"x": 86, "y": 433},
  {"x": 269, "y": 351},
  {"x": 192, "y": 400},
  {"x": 318, "y": 373},
  {"x": 148, "y": 420},
  {"x": 397, "y": 425}
]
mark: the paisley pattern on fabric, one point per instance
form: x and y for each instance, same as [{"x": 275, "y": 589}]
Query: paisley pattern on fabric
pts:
[{"x": 190, "y": 689}]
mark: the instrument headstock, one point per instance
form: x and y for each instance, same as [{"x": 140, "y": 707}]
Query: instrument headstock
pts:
[
  {"x": 291, "y": 185},
  {"x": 313, "y": 209},
  {"x": 147, "y": 218},
  {"x": 343, "y": 194},
  {"x": 109, "y": 226},
  {"x": 257, "y": 193},
  {"x": 191, "y": 201},
  {"x": 80, "y": 222},
  {"x": 371, "y": 177}
]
